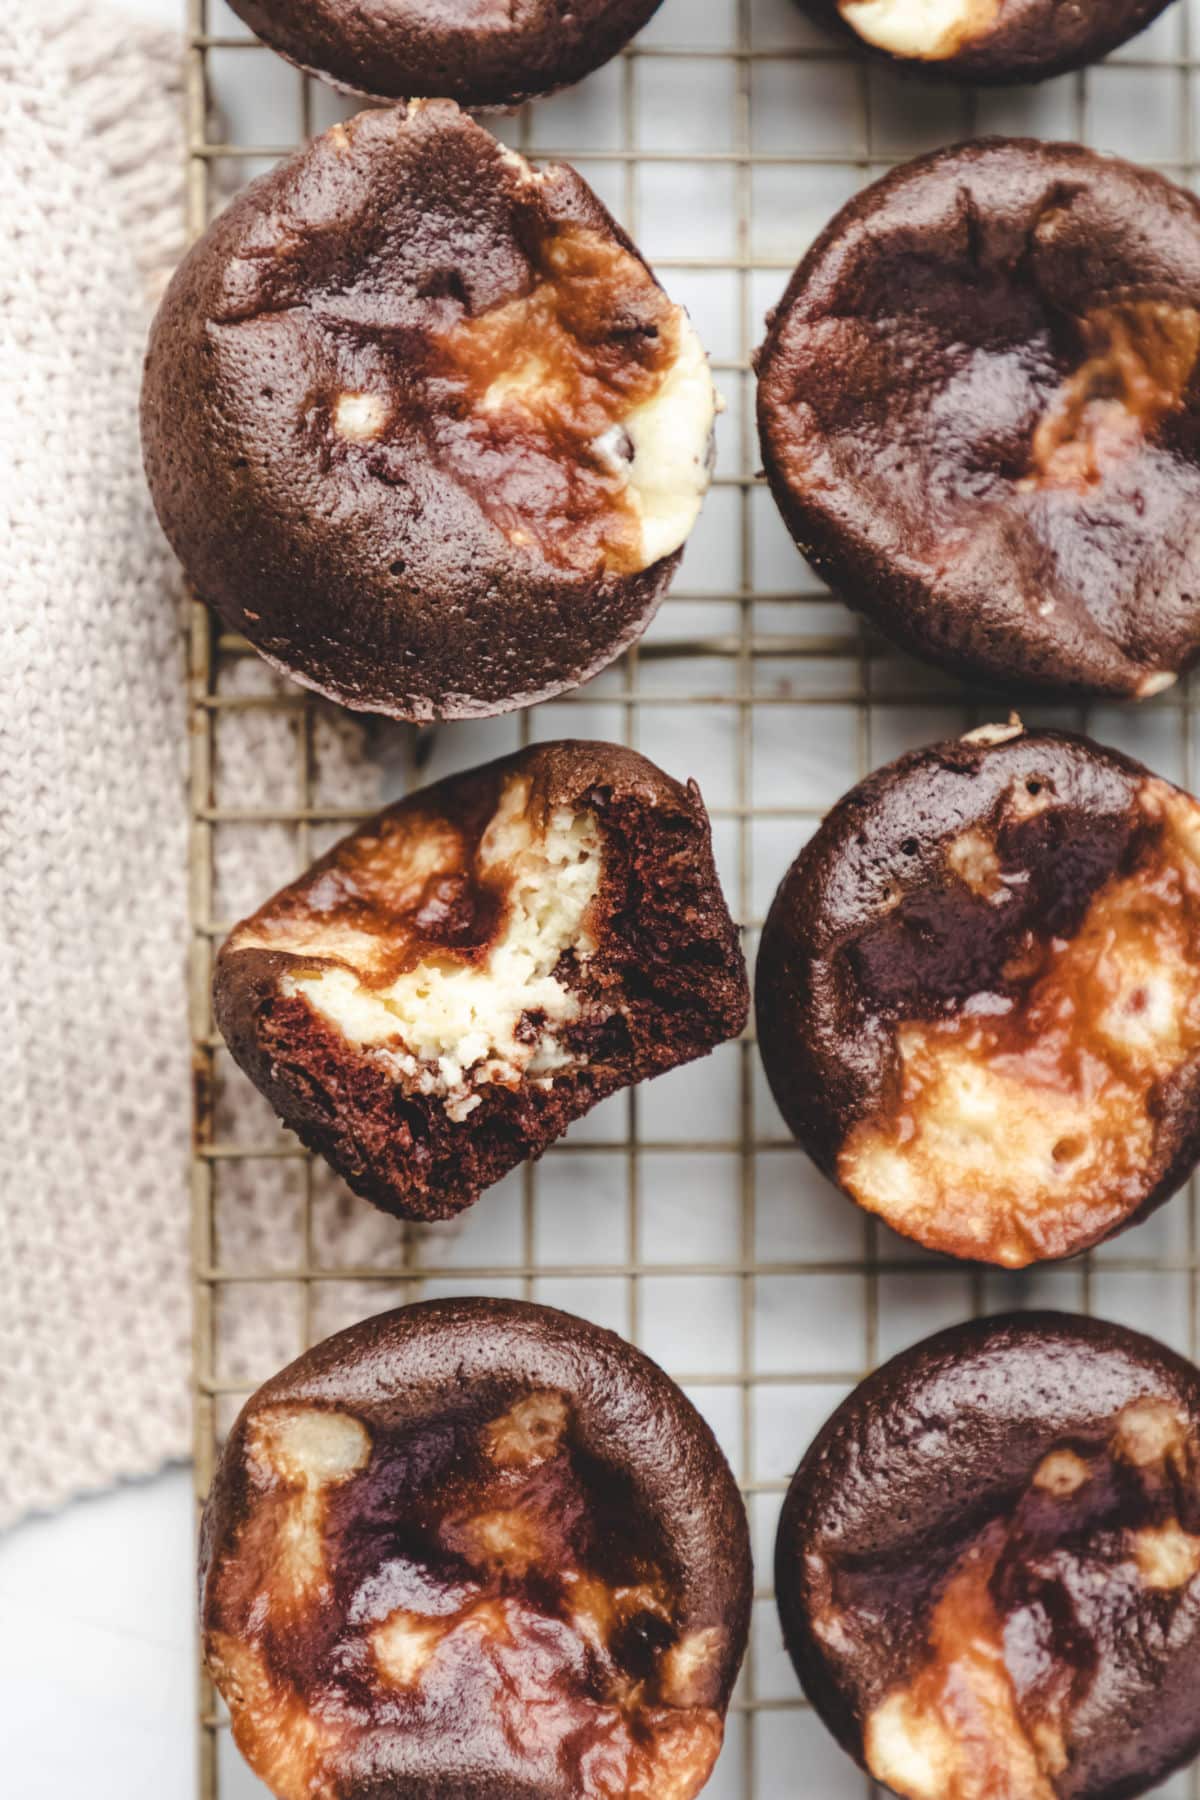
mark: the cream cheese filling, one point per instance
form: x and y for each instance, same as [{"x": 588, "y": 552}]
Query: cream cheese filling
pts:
[
  {"x": 929, "y": 29},
  {"x": 449, "y": 1026},
  {"x": 1006, "y": 1137},
  {"x": 671, "y": 438}
]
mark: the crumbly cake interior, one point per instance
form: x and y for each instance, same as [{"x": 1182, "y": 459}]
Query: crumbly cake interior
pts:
[
  {"x": 457, "y": 1018},
  {"x": 1025, "y": 1121},
  {"x": 480, "y": 1569},
  {"x": 1025, "y": 1615}
]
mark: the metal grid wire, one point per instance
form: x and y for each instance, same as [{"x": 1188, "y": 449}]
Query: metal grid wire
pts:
[{"x": 681, "y": 1214}]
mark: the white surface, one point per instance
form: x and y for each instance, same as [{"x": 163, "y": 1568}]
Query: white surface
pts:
[{"x": 97, "y": 1661}]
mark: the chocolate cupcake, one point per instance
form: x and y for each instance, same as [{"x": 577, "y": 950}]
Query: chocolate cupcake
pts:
[
  {"x": 470, "y": 1548},
  {"x": 990, "y": 41},
  {"x": 978, "y": 994},
  {"x": 480, "y": 54},
  {"x": 443, "y": 993},
  {"x": 421, "y": 423},
  {"x": 980, "y": 415},
  {"x": 988, "y": 1564}
]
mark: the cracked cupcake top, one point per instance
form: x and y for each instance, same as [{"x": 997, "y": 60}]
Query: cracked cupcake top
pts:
[{"x": 979, "y": 405}]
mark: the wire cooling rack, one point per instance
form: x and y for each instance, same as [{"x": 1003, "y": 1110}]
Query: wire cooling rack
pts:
[{"x": 680, "y": 1214}]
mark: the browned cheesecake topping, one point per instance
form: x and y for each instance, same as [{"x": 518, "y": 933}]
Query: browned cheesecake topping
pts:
[
  {"x": 988, "y": 1714},
  {"x": 397, "y": 1579},
  {"x": 1024, "y": 1120}
]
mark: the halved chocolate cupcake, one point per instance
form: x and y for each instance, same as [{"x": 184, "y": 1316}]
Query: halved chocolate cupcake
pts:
[
  {"x": 475, "y": 1548},
  {"x": 473, "y": 51},
  {"x": 988, "y": 1564},
  {"x": 443, "y": 993},
  {"x": 978, "y": 994},
  {"x": 979, "y": 403},
  {"x": 990, "y": 41},
  {"x": 421, "y": 423}
]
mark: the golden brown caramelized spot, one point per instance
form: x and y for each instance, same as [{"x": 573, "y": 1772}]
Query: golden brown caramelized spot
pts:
[
  {"x": 307, "y": 1447},
  {"x": 1167, "y": 1556},
  {"x": 404, "y": 1645},
  {"x": 506, "y": 1540},
  {"x": 529, "y": 1432},
  {"x": 599, "y": 1611},
  {"x": 300, "y": 1567},
  {"x": 305, "y": 1452},
  {"x": 1026, "y": 799},
  {"x": 687, "y": 1666},
  {"x": 973, "y": 859},
  {"x": 955, "y": 1733},
  {"x": 1051, "y": 1747},
  {"x": 558, "y": 373},
  {"x": 1061, "y": 1473},
  {"x": 1030, "y": 1130},
  {"x": 675, "y": 1762},
  {"x": 1153, "y": 1434},
  {"x": 274, "y": 1730},
  {"x": 360, "y": 418},
  {"x": 1139, "y": 360},
  {"x": 366, "y": 911}
]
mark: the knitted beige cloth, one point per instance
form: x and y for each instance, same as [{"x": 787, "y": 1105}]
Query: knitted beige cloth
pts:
[{"x": 95, "y": 1317}]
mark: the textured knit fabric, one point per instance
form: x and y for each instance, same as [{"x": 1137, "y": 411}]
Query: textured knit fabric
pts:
[
  {"x": 94, "y": 1325},
  {"x": 95, "y": 1315}
]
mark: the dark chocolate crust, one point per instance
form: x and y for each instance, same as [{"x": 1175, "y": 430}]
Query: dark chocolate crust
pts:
[
  {"x": 1030, "y": 40},
  {"x": 921, "y": 1458},
  {"x": 870, "y": 927},
  {"x": 921, "y": 342},
  {"x": 667, "y": 959},
  {"x": 651, "y": 1499},
  {"x": 478, "y": 53},
  {"x": 373, "y": 572}
]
